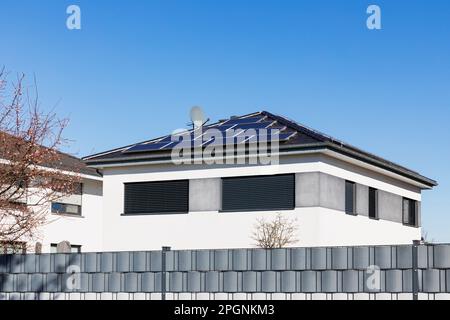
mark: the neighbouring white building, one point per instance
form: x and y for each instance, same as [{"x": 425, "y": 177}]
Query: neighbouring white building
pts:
[
  {"x": 77, "y": 218},
  {"x": 136, "y": 198}
]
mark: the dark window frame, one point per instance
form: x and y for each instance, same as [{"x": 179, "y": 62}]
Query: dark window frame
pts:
[
  {"x": 185, "y": 209},
  {"x": 374, "y": 192},
  {"x": 290, "y": 206},
  {"x": 351, "y": 211},
  {"x": 65, "y": 213}
]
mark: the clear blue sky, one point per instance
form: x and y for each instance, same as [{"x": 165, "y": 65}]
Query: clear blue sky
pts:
[{"x": 136, "y": 67}]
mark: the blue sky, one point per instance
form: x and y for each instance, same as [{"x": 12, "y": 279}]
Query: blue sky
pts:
[{"x": 136, "y": 67}]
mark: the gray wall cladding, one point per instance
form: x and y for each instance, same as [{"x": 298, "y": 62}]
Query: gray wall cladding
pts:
[
  {"x": 290, "y": 270},
  {"x": 205, "y": 194},
  {"x": 332, "y": 192},
  {"x": 323, "y": 190},
  {"x": 390, "y": 206}
]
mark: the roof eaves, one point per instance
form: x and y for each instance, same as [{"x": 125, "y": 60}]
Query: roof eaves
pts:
[
  {"x": 390, "y": 166},
  {"x": 314, "y": 147}
]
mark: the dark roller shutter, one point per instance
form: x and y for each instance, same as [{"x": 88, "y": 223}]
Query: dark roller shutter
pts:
[
  {"x": 157, "y": 197},
  {"x": 409, "y": 212},
  {"x": 373, "y": 210},
  {"x": 350, "y": 197},
  {"x": 258, "y": 193}
]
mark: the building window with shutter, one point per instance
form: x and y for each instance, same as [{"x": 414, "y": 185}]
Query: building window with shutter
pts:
[
  {"x": 409, "y": 212},
  {"x": 350, "y": 198},
  {"x": 258, "y": 193},
  {"x": 66, "y": 209},
  {"x": 158, "y": 197},
  {"x": 373, "y": 203}
]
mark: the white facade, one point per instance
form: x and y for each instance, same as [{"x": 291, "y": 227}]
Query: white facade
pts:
[
  {"x": 321, "y": 219},
  {"x": 318, "y": 225},
  {"x": 84, "y": 230}
]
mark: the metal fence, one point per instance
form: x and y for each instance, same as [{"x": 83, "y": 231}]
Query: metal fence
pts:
[{"x": 359, "y": 272}]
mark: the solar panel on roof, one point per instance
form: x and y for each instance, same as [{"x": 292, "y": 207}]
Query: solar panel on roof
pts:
[
  {"x": 219, "y": 141},
  {"x": 251, "y": 139},
  {"x": 258, "y": 125},
  {"x": 223, "y": 127},
  {"x": 180, "y": 136},
  {"x": 146, "y": 147},
  {"x": 247, "y": 136},
  {"x": 169, "y": 145},
  {"x": 286, "y": 136},
  {"x": 164, "y": 139},
  {"x": 268, "y": 136},
  {"x": 240, "y": 138},
  {"x": 235, "y": 128},
  {"x": 272, "y": 133},
  {"x": 244, "y": 130}
]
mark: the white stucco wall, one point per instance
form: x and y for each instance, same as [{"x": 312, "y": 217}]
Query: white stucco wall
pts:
[{"x": 203, "y": 230}]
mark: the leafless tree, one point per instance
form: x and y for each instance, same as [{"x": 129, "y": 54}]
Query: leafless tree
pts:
[
  {"x": 277, "y": 233},
  {"x": 32, "y": 173}
]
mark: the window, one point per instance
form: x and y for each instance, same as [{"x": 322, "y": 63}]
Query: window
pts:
[
  {"x": 350, "y": 199},
  {"x": 275, "y": 192},
  {"x": 409, "y": 212},
  {"x": 59, "y": 185},
  {"x": 157, "y": 197},
  {"x": 65, "y": 208},
  {"x": 14, "y": 247},
  {"x": 373, "y": 203},
  {"x": 74, "y": 248}
]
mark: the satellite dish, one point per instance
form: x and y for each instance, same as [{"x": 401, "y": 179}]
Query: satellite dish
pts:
[{"x": 197, "y": 117}]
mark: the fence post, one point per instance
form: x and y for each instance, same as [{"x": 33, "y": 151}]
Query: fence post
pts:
[
  {"x": 163, "y": 272},
  {"x": 415, "y": 269}
]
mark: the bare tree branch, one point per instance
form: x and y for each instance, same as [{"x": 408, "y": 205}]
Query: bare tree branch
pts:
[
  {"x": 31, "y": 168},
  {"x": 278, "y": 233}
]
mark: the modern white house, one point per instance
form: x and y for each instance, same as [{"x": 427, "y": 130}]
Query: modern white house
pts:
[{"x": 137, "y": 198}]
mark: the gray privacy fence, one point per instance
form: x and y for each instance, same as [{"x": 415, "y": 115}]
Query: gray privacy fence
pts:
[{"x": 389, "y": 272}]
